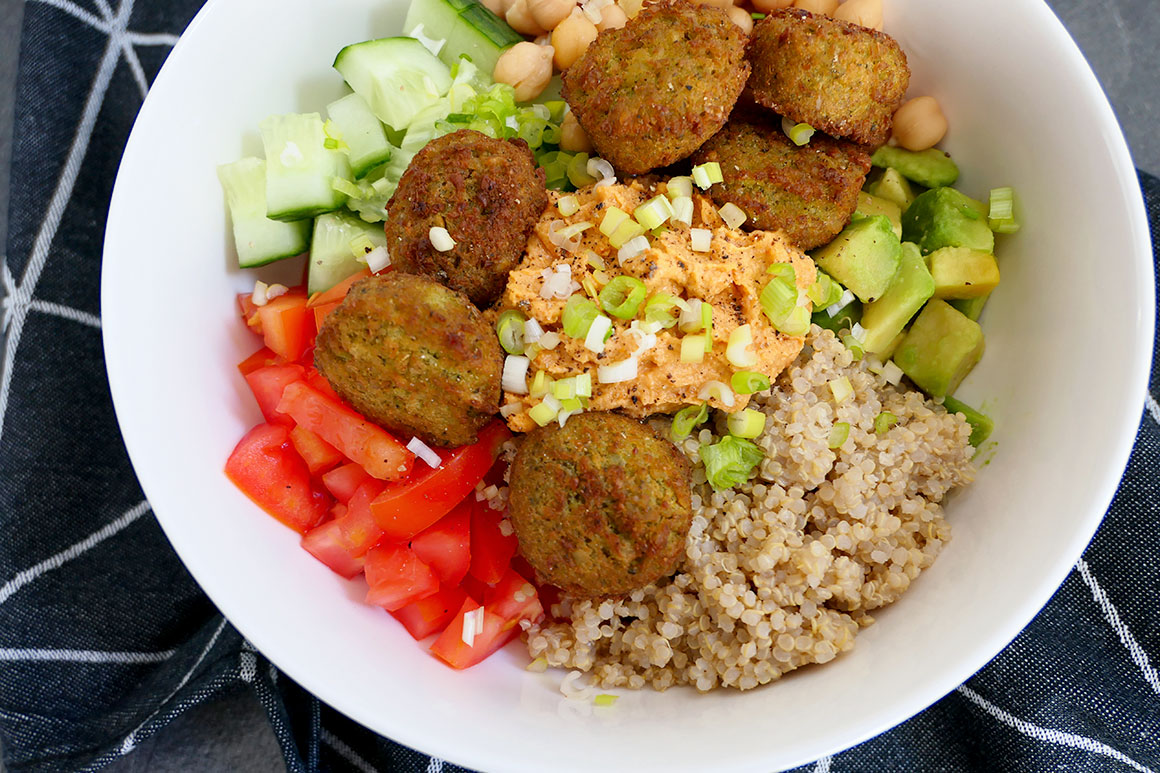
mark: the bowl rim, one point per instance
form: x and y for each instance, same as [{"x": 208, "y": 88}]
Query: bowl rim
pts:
[{"x": 1137, "y": 376}]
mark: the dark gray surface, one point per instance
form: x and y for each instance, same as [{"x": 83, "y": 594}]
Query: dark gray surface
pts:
[{"x": 1121, "y": 39}]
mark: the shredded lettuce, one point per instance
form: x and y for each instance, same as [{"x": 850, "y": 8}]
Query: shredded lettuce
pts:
[{"x": 729, "y": 461}]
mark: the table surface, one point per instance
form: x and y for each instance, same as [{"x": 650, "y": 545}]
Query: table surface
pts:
[{"x": 1120, "y": 41}]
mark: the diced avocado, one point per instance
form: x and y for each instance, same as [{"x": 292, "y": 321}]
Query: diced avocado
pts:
[
  {"x": 971, "y": 307},
  {"x": 892, "y": 186},
  {"x": 870, "y": 205},
  {"x": 932, "y": 168},
  {"x": 940, "y": 349},
  {"x": 944, "y": 217},
  {"x": 962, "y": 273},
  {"x": 891, "y": 347},
  {"x": 981, "y": 424},
  {"x": 884, "y": 319},
  {"x": 864, "y": 257},
  {"x": 843, "y": 320}
]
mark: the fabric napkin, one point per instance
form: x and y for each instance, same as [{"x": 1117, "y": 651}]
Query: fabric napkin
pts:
[{"x": 105, "y": 638}]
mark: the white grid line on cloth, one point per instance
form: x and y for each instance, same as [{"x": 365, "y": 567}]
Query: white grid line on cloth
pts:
[
  {"x": 77, "y": 13},
  {"x": 435, "y": 765},
  {"x": 83, "y": 656},
  {"x": 129, "y": 52},
  {"x": 1135, "y": 651},
  {"x": 823, "y": 765},
  {"x": 65, "y": 312},
  {"x": 152, "y": 39},
  {"x": 1049, "y": 735},
  {"x": 130, "y": 741},
  {"x": 68, "y": 554},
  {"x": 344, "y": 751},
  {"x": 1153, "y": 408}
]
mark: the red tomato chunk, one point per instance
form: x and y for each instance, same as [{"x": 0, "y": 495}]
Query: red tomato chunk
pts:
[
  {"x": 446, "y": 546},
  {"x": 265, "y": 466},
  {"x": 268, "y": 383},
  {"x": 397, "y": 577},
  {"x": 343, "y": 481},
  {"x": 431, "y": 615},
  {"x": 325, "y": 543},
  {"x": 491, "y": 549}
]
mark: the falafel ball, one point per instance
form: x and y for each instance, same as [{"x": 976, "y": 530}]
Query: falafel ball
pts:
[
  {"x": 840, "y": 78},
  {"x": 487, "y": 193},
  {"x": 808, "y": 192},
  {"x": 651, "y": 92},
  {"x": 601, "y": 505},
  {"x": 414, "y": 357}
]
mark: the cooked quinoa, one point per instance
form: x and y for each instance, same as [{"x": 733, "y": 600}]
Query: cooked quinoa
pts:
[{"x": 783, "y": 570}]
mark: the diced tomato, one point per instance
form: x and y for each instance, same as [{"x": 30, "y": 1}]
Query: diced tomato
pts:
[
  {"x": 325, "y": 543},
  {"x": 319, "y": 454},
  {"x": 491, "y": 549},
  {"x": 319, "y": 382},
  {"x": 514, "y": 598},
  {"x": 250, "y": 312},
  {"x": 519, "y": 563},
  {"x": 405, "y": 509},
  {"x": 475, "y": 589},
  {"x": 268, "y": 383},
  {"x": 259, "y": 359},
  {"x": 287, "y": 325},
  {"x": 265, "y": 466},
  {"x": 336, "y": 293},
  {"x": 320, "y": 313},
  {"x": 397, "y": 576},
  {"x": 446, "y": 545},
  {"x": 494, "y": 632},
  {"x": 430, "y": 615},
  {"x": 343, "y": 481},
  {"x": 358, "y": 528},
  {"x": 360, "y": 441}
]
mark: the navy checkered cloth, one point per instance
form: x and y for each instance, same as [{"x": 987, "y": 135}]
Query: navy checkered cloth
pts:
[{"x": 105, "y": 638}]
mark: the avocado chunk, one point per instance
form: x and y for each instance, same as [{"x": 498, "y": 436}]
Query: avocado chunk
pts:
[
  {"x": 971, "y": 307},
  {"x": 845, "y": 319},
  {"x": 963, "y": 273},
  {"x": 981, "y": 424},
  {"x": 932, "y": 168},
  {"x": 944, "y": 217},
  {"x": 892, "y": 186},
  {"x": 884, "y": 319},
  {"x": 864, "y": 257},
  {"x": 870, "y": 205},
  {"x": 940, "y": 349}
]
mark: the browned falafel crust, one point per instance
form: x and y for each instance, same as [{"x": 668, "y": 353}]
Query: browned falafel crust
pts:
[
  {"x": 808, "y": 192},
  {"x": 602, "y": 505},
  {"x": 840, "y": 78},
  {"x": 487, "y": 193},
  {"x": 651, "y": 92},
  {"x": 414, "y": 357}
]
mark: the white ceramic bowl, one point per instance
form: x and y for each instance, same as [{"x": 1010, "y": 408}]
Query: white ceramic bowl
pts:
[{"x": 1069, "y": 335}]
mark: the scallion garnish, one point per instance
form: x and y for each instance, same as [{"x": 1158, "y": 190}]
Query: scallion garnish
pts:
[
  {"x": 746, "y": 382},
  {"x": 839, "y": 433},
  {"x": 693, "y": 348},
  {"x": 799, "y": 133},
  {"x": 654, "y": 212},
  {"x": 841, "y": 389},
  {"x": 605, "y": 700},
  {"x": 510, "y": 328},
  {"x": 706, "y": 174},
  {"x": 732, "y": 214},
  {"x": 687, "y": 418},
  {"x": 678, "y": 187},
  {"x": 541, "y": 384},
  {"x": 623, "y": 296},
  {"x": 568, "y": 205},
  {"x": 738, "y": 351},
  {"x": 746, "y": 423},
  {"x": 1004, "y": 215},
  {"x": 658, "y": 310},
  {"x": 779, "y": 297},
  {"x": 578, "y": 315},
  {"x": 884, "y": 421}
]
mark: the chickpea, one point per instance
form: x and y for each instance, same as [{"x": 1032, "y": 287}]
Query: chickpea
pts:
[
  {"x": 573, "y": 138},
  {"x": 549, "y": 13},
  {"x": 919, "y": 124},
  {"x": 498, "y": 7},
  {"x": 571, "y": 38},
  {"x": 769, "y": 6},
  {"x": 868, "y": 13},
  {"x": 612, "y": 17},
  {"x": 826, "y": 7},
  {"x": 526, "y": 67},
  {"x": 519, "y": 16},
  {"x": 741, "y": 18}
]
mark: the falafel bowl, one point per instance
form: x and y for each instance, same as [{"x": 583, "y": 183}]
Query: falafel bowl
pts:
[{"x": 773, "y": 511}]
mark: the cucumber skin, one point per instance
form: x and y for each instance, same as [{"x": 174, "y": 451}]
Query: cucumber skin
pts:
[
  {"x": 258, "y": 240},
  {"x": 469, "y": 28},
  {"x": 362, "y": 129},
  {"x": 331, "y": 259},
  {"x": 304, "y": 188},
  {"x": 399, "y": 62}
]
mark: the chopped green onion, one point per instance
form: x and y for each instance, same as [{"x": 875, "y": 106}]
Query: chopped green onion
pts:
[
  {"x": 687, "y": 418},
  {"x": 796, "y": 324},
  {"x": 542, "y": 413},
  {"x": 682, "y": 210},
  {"x": 361, "y": 245},
  {"x": 884, "y": 421},
  {"x": 594, "y": 260},
  {"x": 657, "y": 310},
  {"x": 981, "y": 424},
  {"x": 541, "y": 384},
  {"x": 707, "y": 325},
  {"x": 347, "y": 188},
  {"x": 1004, "y": 215},
  {"x": 690, "y": 320},
  {"x": 854, "y": 345},
  {"x": 538, "y": 666},
  {"x": 589, "y": 285},
  {"x": 578, "y": 171},
  {"x": 599, "y": 331},
  {"x": 739, "y": 350},
  {"x": 729, "y": 461},
  {"x": 779, "y": 297},
  {"x": 746, "y": 423},
  {"x": 677, "y": 187},
  {"x": 798, "y": 133},
  {"x": 583, "y": 384},
  {"x": 613, "y": 218},
  {"x": 841, "y": 389},
  {"x": 732, "y": 215},
  {"x": 824, "y": 292},
  {"x": 700, "y": 239},
  {"x": 578, "y": 315},
  {"x": 706, "y": 174},
  {"x": 630, "y": 249},
  {"x": 571, "y": 404},
  {"x": 719, "y": 391},
  {"x": 601, "y": 277},
  {"x": 746, "y": 382},
  {"x": 574, "y": 230},
  {"x": 626, "y": 232},
  {"x": 605, "y": 700},
  {"x": 757, "y": 16},
  {"x": 693, "y": 348},
  {"x": 654, "y": 212},
  {"x": 510, "y": 328},
  {"x": 564, "y": 389},
  {"x": 839, "y": 433}
]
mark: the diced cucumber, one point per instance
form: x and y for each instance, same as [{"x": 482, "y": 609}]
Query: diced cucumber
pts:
[
  {"x": 258, "y": 239},
  {"x": 339, "y": 240},
  {"x": 467, "y": 27},
  {"x": 397, "y": 77},
  {"x": 981, "y": 424},
  {"x": 362, "y": 132},
  {"x": 300, "y": 169}
]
